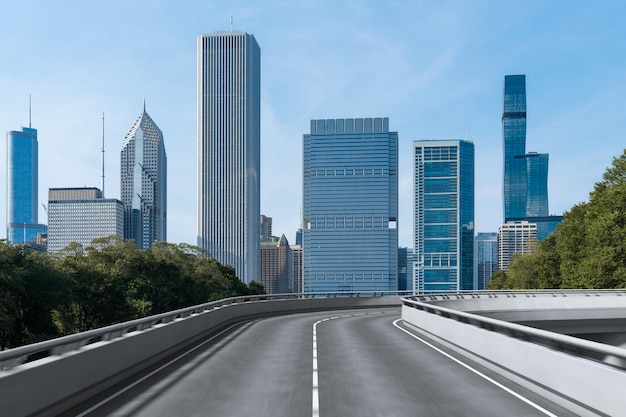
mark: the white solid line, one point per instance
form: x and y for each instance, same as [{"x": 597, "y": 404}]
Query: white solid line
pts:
[
  {"x": 139, "y": 381},
  {"x": 494, "y": 382}
]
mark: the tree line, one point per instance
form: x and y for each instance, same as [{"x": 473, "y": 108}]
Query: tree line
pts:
[
  {"x": 82, "y": 288},
  {"x": 587, "y": 250}
]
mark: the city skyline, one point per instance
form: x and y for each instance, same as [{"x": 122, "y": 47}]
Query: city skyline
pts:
[{"x": 320, "y": 70}]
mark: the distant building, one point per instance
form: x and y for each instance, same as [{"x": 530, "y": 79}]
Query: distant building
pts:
[
  {"x": 405, "y": 269},
  {"x": 485, "y": 258},
  {"x": 515, "y": 237},
  {"x": 277, "y": 267},
  {"x": 143, "y": 178},
  {"x": 81, "y": 215},
  {"x": 350, "y": 180},
  {"x": 525, "y": 175},
  {"x": 296, "y": 250},
  {"x": 444, "y": 216},
  {"x": 266, "y": 230},
  {"x": 229, "y": 120},
  {"x": 22, "y": 187}
]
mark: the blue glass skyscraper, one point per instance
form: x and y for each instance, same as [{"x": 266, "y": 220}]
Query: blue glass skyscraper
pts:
[
  {"x": 443, "y": 216},
  {"x": 525, "y": 175},
  {"x": 514, "y": 147},
  {"x": 22, "y": 186},
  {"x": 350, "y": 208}
]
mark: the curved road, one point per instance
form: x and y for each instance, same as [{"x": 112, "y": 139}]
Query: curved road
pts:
[{"x": 348, "y": 363}]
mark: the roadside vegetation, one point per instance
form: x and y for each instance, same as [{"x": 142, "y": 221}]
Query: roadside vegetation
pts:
[
  {"x": 44, "y": 296},
  {"x": 587, "y": 250}
]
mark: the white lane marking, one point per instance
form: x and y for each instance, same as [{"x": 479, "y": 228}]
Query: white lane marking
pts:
[
  {"x": 316, "y": 396},
  {"x": 494, "y": 382},
  {"x": 139, "y": 381}
]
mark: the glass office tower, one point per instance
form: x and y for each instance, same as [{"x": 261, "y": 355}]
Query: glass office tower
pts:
[
  {"x": 443, "y": 216},
  {"x": 514, "y": 147},
  {"x": 350, "y": 179},
  {"x": 537, "y": 184},
  {"x": 485, "y": 258},
  {"x": 22, "y": 187},
  {"x": 229, "y": 118},
  {"x": 143, "y": 165}
]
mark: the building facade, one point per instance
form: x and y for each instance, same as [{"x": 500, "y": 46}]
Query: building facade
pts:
[
  {"x": 81, "y": 215},
  {"x": 443, "y": 216},
  {"x": 143, "y": 183},
  {"x": 229, "y": 150},
  {"x": 515, "y": 237},
  {"x": 23, "y": 186},
  {"x": 277, "y": 267},
  {"x": 405, "y": 269},
  {"x": 350, "y": 207},
  {"x": 485, "y": 258},
  {"x": 297, "y": 253}
]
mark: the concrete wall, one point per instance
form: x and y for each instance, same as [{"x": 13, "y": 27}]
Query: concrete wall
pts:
[{"x": 52, "y": 385}]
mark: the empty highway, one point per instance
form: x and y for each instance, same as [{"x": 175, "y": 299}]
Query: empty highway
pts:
[{"x": 346, "y": 363}]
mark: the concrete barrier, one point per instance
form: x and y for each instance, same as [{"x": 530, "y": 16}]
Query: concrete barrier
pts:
[
  {"x": 54, "y": 384},
  {"x": 583, "y": 385}
]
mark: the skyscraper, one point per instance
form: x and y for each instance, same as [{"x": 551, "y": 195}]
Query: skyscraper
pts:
[
  {"x": 525, "y": 175},
  {"x": 22, "y": 186},
  {"x": 143, "y": 178},
  {"x": 81, "y": 215},
  {"x": 229, "y": 77},
  {"x": 443, "y": 215},
  {"x": 277, "y": 266},
  {"x": 350, "y": 179},
  {"x": 514, "y": 147}
]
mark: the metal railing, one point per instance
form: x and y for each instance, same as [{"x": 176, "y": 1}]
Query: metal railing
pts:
[
  {"x": 580, "y": 347},
  {"x": 28, "y": 353}
]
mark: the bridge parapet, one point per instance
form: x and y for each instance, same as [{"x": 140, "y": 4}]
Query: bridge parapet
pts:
[
  {"x": 535, "y": 358},
  {"x": 66, "y": 371}
]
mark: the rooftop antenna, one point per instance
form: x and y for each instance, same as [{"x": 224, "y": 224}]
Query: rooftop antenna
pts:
[
  {"x": 102, "y": 154},
  {"x": 466, "y": 131},
  {"x": 29, "y": 111},
  {"x": 231, "y": 23}
]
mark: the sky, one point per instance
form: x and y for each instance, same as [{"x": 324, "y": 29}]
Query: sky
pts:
[{"x": 435, "y": 68}]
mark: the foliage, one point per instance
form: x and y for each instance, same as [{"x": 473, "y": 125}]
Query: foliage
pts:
[
  {"x": 588, "y": 250},
  {"x": 110, "y": 281}
]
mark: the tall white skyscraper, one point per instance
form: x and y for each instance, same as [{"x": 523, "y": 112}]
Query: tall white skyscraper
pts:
[
  {"x": 229, "y": 136},
  {"x": 143, "y": 165}
]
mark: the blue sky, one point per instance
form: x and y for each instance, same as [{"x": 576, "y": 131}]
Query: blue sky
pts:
[{"x": 435, "y": 68}]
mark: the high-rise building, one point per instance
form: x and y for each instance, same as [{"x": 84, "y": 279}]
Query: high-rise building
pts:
[
  {"x": 143, "y": 178},
  {"x": 229, "y": 133},
  {"x": 277, "y": 266},
  {"x": 266, "y": 230},
  {"x": 443, "y": 216},
  {"x": 350, "y": 236},
  {"x": 515, "y": 237},
  {"x": 296, "y": 250},
  {"x": 514, "y": 147},
  {"x": 22, "y": 187},
  {"x": 81, "y": 215},
  {"x": 525, "y": 175},
  {"x": 485, "y": 258}
]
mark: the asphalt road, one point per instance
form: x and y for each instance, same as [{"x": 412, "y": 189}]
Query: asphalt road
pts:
[{"x": 361, "y": 364}]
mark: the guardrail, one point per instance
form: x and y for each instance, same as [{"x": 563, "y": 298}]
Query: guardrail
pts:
[
  {"x": 28, "y": 353},
  {"x": 71, "y": 369},
  {"x": 583, "y": 376},
  {"x": 612, "y": 355}
]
